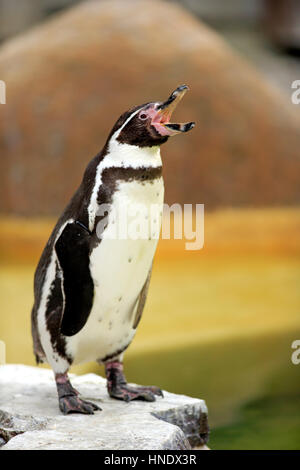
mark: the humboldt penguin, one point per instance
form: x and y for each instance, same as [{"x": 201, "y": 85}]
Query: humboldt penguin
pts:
[{"x": 91, "y": 284}]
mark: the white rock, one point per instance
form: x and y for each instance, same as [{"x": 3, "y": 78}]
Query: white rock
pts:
[{"x": 30, "y": 417}]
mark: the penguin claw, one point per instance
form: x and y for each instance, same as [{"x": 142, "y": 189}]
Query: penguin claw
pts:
[
  {"x": 128, "y": 393},
  {"x": 74, "y": 404},
  {"x": 157, "y": 391}
]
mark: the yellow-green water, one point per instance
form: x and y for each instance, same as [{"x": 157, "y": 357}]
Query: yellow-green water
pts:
[{"x": 219, "y": 327}]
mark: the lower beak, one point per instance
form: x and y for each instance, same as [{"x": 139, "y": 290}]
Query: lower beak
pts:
[{"x": 165, "y": 110}]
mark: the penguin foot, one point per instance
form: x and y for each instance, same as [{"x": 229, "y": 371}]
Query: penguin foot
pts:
[
  {"x": 127, "y": 393},
  {"x": 74, "y": 404},
  {"x": 118, "y": 388},
  {"x": 69, "y": 401}
]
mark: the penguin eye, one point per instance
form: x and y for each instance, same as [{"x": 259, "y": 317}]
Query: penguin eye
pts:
[{"x": 143, "y": 116}]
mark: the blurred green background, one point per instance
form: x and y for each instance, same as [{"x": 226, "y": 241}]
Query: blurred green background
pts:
[{"x": 219, "y": 323}]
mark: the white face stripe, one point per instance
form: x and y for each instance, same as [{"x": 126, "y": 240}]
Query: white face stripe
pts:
[
  {"x": 122, "y": 156},
  {"x": 117, "y": 133}
]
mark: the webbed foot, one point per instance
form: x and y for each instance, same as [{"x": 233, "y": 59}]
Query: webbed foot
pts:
[
  {"x": 69, "y": 401},
  {"x": 74, "y": 404},
  {"x": 118, "y": 387}
]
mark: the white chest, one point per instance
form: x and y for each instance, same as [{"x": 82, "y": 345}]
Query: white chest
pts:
[{"x": 119, "y": 267}]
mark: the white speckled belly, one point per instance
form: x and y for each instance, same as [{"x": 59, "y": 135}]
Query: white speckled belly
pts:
[{"x": 119, "y": 269}]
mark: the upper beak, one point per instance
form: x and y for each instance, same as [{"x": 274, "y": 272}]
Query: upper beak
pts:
[{"x": 165, "y": 110}]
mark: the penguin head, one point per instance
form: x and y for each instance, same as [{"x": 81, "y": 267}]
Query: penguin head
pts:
[{"x": 149, "y": 124}]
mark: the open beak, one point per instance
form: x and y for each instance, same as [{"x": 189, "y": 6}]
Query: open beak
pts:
[{"x": 161, "y": 119}]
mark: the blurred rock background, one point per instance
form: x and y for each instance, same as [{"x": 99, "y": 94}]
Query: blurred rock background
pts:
[
  {"x": 219, "y": 323},
  {"x": 70, "y": 78}
]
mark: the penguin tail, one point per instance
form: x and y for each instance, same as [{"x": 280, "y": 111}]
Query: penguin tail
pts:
[{"x": 39, "y": 359}]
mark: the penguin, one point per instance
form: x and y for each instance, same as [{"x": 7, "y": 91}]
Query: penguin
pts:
[{"x": 90, "y": 288}]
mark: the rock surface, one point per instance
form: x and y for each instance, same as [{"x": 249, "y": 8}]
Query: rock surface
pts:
[
  {"x": 69, "y": 79},
  {"x": 30, "y": 419}
]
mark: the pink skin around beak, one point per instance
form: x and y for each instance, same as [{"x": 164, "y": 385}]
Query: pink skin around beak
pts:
[{"x": 161, "y": 113}]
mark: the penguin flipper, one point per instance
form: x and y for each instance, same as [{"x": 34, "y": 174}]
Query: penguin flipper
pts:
[{"x": 72, "y": 249}]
